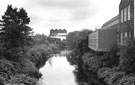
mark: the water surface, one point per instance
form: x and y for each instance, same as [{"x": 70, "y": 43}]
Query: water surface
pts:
[{"x": 58, "y": 71}]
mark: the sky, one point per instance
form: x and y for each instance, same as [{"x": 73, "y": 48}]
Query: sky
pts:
[{"x": 72, "y": 15}]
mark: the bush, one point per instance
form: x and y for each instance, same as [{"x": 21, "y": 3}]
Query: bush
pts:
[
  {"x": 39, "y": 55},
  {"x": 92, "y": 62},
  {"x": 104, "y": 72},
  {"x": 29, "y": 69},
  {"x": 21, "y": 78},
  {"x": 110, "y": 76},
  {"x": 86, "y": 57},
  {"x": 127, "y": 58},
  {"x": 127, "y": 80},
  {"x": 110, "y": 58},
  {"x": 7, "y": 69},
  {"x": 115, "y": 77}
]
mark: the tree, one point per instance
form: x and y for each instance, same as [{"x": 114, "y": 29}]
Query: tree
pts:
[
  {"x": 15, "y": 32},
  {"x": 72, "y": 39},
  {"x": 40, "y": 39},
  {"x": 78, "y": 42}
]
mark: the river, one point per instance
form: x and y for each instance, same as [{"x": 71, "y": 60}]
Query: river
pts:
[{"x": 57, "y": 71}]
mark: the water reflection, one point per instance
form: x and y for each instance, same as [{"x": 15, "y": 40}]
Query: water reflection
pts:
[
  {"x": 58, "y": 71},
  {"x": 81, "y": 78}
]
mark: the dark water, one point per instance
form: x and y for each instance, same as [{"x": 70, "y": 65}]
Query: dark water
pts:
[{"x": 58, "y": 71}]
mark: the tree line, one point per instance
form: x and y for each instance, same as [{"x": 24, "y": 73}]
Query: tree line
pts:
[
  {"x": 22, "y": 53},
  {"x": 114, "y": 67}
]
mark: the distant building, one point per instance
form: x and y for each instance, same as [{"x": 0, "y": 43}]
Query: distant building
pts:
[
  {"x": 58, "y": 33},
  {"x": 116, "y": 31}
]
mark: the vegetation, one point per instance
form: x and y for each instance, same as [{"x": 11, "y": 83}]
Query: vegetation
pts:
[
  {"x": 114, "y": 67},
  {"x": 15, "y": 33},
  {"x": 78, "y": 43},
  {"x": 127, "y": 58},
  {"x": 22, "y": 54}
]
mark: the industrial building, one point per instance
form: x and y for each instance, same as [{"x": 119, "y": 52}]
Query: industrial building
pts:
[{"x": 117, "y": 31}]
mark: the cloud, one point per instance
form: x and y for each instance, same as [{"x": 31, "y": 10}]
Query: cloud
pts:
[
  {"x": 77, "y": 9},
  {"x": 63, "y": 3},
  {"x": 82, "y": 14}
]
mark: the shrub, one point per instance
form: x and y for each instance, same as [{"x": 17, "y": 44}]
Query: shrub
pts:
[
  {"x": 127, "y": 80},
  {"x": 110, "y": 58},
  {"x": 29, "y": 69},
  {"x": 93, "y": 64},
  {"x": 86, "y": 57},
  {"x": 7, "y": 68},
  {"x": 127, "y": 58},
  {"x": 115, "y": 77},
  {"x": 39, "y": 55},
  {"x": 21, "y": 78},
  {"x": 102, "y": 73},
  {"x": 110, "y": 76}
]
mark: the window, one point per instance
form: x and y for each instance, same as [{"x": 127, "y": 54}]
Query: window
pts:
[
  {"x": 121, "y": 38},
  {"x": 122, "y": 16},
  {"x": 128, "y": 12},
  {"x": 125, "y": 14},
  {"x": 125, "y": 38},
  {"x": 125, "y": 34},
  {"x": 129, "y": 36}
]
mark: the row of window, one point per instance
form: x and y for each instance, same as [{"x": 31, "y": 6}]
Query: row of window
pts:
[
  {"x": 124, "y": 37},
  {"x": 93, "y": 41},
  {"x": 125, "y": 14}
]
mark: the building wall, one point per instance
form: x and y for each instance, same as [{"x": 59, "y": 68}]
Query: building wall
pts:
[
  {"x": 119, "y": 29},
  {"x": 107, "y": 38},
  {"x": 103, "y": 39},
  {"x": 126, "y": 27},
  {"x": 93, "y": 40}
]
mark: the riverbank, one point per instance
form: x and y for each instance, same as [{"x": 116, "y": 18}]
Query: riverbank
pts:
[
  {"x": 16, "y": 73},
  {"x": 25, "y": 70},
  {"x": 115, "y": 67}
]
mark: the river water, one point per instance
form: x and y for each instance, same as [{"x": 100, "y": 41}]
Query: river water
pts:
[{"x": 57, "y": 71}]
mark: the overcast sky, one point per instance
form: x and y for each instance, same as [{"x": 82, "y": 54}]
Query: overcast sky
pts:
[{"x": 69, "y": 14}]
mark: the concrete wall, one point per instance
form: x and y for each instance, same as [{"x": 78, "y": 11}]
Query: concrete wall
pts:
[
  {"x": 106, "y": 39},
  {"x": 103, "y": 39},
  {"x": 93, "y": 40}
]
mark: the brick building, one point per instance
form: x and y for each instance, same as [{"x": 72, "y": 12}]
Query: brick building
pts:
[
  {"x": 126, "y": 22},
  {"x": 116, "y": 31}
]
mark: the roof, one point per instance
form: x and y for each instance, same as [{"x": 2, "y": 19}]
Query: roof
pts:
[
  {"x": 111, "y": 22},
  {"x": 58, "y": 31}
]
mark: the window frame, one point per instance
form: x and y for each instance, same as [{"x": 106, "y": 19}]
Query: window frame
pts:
[{"x": 129, "y": 16}]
